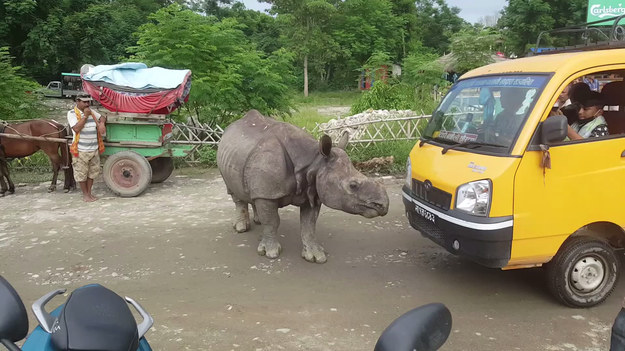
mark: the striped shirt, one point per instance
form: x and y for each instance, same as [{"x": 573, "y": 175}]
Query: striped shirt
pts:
[{"x": 88, "y": 134}]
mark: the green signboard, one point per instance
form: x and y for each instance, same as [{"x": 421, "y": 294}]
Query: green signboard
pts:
[{"x": 605, "y": 9}]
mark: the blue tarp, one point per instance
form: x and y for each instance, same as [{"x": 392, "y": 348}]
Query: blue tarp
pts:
[{"x": 137, "y": 75}]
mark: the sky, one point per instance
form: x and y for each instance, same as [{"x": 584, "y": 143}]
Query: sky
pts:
[{"x": 471, "y": 10}]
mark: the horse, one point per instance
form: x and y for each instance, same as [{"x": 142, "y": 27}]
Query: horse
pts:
[{"x": 22, "y": 147}]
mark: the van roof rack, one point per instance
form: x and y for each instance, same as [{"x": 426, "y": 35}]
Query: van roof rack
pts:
[{"x": 598, "y": 35}]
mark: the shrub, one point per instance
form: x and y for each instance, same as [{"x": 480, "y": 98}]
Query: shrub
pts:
[
  {"x": 385, "y": 96},
  {"x": 16, "y": 98}
]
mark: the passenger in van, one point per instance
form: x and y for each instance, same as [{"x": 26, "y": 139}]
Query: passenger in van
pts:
[
  {"x": 562, "y": 98},
  {"x": 570, "y": 105},
  {"x": 591, "y": 122},
  {"x": 592, "y": 83},
  {"x": 506, "y": 123}
]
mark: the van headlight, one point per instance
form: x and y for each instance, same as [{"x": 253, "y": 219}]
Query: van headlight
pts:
[
  {"x": 474, "y": 197},
  {"x": 408, "y": 173}
]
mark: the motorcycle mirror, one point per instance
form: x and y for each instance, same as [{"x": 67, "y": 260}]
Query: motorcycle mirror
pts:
[
  {"x": 424, "y": 328},
  {"x": 13, "y": 317}
]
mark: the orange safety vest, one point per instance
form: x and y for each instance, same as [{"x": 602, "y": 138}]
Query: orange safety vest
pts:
[{"x": 74, "y": 148}]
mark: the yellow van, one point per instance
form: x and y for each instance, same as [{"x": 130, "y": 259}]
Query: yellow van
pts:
[{"x": 495, "y": 178}]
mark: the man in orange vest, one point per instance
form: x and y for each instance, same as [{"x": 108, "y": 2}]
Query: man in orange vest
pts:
[{"x": 88, "y": 128}]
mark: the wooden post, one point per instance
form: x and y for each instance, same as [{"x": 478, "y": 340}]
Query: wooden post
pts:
[{"x": 30, "y": 137}]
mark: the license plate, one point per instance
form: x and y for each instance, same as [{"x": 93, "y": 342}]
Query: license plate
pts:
[{"x": 425, "y": 213}]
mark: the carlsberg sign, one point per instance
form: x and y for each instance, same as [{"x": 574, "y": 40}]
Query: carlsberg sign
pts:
[{"x": 605, "y": 9}]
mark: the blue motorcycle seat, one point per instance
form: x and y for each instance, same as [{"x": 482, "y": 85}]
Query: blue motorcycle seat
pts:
[{"x": 95, "y": 318}]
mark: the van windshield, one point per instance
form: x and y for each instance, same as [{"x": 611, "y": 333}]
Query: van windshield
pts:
[{"x": 485, "y": 112}]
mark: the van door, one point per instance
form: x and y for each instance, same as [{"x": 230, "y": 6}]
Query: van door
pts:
[{"x": 584, "y": 185}]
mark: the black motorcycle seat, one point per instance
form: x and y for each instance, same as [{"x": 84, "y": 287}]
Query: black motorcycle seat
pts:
[{"x": 95, "y": 318}]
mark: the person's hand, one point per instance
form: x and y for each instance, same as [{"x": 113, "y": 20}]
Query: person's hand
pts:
[{"x": 555, "y": 112}]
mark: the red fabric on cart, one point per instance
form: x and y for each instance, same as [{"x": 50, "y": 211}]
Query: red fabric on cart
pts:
[{"x": 160, "y": 102}]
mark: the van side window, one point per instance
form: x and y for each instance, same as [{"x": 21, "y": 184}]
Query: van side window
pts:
[
  {"x": 614, "y": 109},
  {"x": 594, "y": 105}
]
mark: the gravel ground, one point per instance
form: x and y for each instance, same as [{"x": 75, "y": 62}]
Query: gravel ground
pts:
[{"x": 174, "y": 250}]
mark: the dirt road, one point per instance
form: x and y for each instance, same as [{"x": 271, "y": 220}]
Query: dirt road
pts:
[{"x": 174, "y": 250}]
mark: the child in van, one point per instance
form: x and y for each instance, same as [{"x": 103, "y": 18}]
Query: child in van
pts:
[{"x": 591, "y": 122}]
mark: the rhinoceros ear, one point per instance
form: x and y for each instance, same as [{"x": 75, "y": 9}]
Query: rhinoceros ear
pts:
[
  {"x": 325, "y": 145},
  {"x": 344, "y": 140}
]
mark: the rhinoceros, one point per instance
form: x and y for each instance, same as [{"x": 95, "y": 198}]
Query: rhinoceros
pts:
[{"x": 271, "y": 164}]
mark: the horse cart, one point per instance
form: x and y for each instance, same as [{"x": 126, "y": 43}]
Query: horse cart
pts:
[
  {"x": 137, "y": 101},
  {"x": 140, "y": 136}
]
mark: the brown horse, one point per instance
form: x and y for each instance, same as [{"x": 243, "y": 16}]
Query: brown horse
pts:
[{"x": 18, "y": 147}]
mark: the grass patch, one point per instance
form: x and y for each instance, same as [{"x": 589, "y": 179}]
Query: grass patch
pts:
[
  {"x": 21, "y": 176},
  {"x": 329, "y": 98},
  {"x": 307, "y": 118},
  {"x": 307, "y": 113}
]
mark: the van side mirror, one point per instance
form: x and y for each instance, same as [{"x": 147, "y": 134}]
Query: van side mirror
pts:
[
  {"x": 13, "y": 317},
  {"x": 553, "y": 129},
  {"x": 424, "y": 328}
]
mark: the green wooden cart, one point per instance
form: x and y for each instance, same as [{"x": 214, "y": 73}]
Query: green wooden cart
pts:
[{"x": 139, "y": 151}]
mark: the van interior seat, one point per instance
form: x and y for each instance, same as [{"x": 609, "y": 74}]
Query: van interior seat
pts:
[{"x": 614, "y": 109}]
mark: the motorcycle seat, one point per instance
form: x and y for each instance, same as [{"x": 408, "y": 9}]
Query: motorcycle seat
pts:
[{"x": 95, "y": 318}]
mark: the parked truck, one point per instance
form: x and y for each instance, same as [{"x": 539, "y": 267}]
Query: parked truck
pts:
[{"x": 69, "y": 86}]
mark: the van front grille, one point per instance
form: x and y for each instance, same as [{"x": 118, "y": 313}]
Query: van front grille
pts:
[{"x": 433, "y": 196}]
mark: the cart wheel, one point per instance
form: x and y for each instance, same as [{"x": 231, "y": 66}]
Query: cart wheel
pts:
[
  {"x": 584, "y": 272},
  {"x": 161, "y": 168},
  {"x": 127, "y": 173}
]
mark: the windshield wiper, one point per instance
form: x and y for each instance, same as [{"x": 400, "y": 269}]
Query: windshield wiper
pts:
[
  {"x": 469, "y": 143},
  {"x": 439, "y": 139}
]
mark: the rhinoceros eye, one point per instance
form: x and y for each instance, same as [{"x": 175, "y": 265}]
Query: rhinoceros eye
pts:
[{"x": 353, "y": 185}]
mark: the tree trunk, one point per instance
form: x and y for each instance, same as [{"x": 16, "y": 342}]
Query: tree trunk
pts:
[{"x": 306, "y": 75}]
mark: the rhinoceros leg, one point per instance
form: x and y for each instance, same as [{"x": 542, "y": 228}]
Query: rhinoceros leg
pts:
[
  {"x": 242, "y": 218},
  {"x": 312, "y": 251},
  {"x": 267, "y": 211},
  {"x": 256, "y": 219}
]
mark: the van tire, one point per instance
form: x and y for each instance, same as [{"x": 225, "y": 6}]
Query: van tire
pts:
[{"x": 584, "y": 257}]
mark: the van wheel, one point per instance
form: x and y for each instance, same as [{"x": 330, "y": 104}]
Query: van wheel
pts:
[{"x": 584, "y": 272}]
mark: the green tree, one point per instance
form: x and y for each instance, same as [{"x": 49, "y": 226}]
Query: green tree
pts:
[
  {"x": 16, "y": 19},
  {"x": 45, "y": 53},
  {"x": 229, "y": 75},
  {"x": 260, "y": 28},
  {"x": 368, "y": 26},
  {"x": 436, "y": 23},
  {"x": 306, "y": 30},
  {"x": 422, "y": 67},
  {"x": 473, "y": 47},
  {"x": 407, "y": 11},
  {"x": 523, "y": 20},
  {"x": 16, "y": 98},
  {"x": 99, "y": 34},
  {"x": 218, "y": 8}
]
